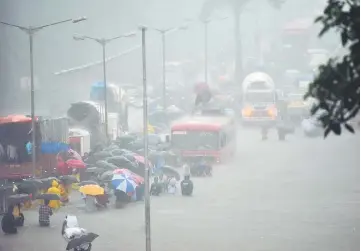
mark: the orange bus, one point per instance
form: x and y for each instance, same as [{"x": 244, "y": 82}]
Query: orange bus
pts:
[{"x": 213, "y": 138}]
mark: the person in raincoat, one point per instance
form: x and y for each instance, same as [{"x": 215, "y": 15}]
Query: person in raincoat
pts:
[
  {"x": 76, "y": 174},
  {"x": 151, "y": 129},
  {"x": 172, "y": 185},
  {"x": 64, "y": 196},
  {"x": 54, "y": 204}
]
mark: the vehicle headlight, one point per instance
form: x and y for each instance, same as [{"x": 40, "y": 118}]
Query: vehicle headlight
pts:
[
  {"x": 272, "y": 112},
  {"x": 247, "y": 111}
]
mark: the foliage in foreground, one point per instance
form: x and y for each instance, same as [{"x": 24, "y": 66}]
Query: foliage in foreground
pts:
[{"x": 337, "y": 85}]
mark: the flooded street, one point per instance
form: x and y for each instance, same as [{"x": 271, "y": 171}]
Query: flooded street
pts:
[
  {"x": 76, "y": 75},
  {"x": 302, "y": 194}
]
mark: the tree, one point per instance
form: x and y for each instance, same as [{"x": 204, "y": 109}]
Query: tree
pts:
[
  {"x": 236, "y": 7},
  {"x": 337, "y": 85}
]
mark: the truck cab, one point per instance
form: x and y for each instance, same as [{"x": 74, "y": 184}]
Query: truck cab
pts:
[{"x": 259, "y": 99}]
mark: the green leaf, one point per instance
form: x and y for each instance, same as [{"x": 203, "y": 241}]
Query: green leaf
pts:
[
  {"x": 318, "y": 19},
  {"x": 336, "y": 128},
  {"x": 314, "y": 109},
  {"x": 327, "y": 131},
  {"x": 344, "y": 38},
  {"x": 324, "y": 30},
  {"x": 349, "y": 128}
]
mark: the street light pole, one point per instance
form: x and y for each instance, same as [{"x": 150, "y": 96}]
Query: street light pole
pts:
[
  {"x": 32, "y": 100},
  {"x": 103, "y": 42},
  {"x": 205, "y": 23},
  {"x": 206, "y": 50},
  {"x": 163, "y": 33},
  {"x": 148, "y": 246},
  {"x": 30, "y": 31},
  {"x": 164, "y": 71}
]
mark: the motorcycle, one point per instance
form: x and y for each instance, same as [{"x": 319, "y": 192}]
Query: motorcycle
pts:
[
  {"x": 83, "y": 247},
  {"x": 73, "y": 234}
]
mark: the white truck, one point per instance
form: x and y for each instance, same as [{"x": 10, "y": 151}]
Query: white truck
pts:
[{"x": 259, "y": 98}]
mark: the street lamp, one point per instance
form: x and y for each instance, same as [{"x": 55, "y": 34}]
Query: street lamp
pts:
[
  {"x": 145, "y": 133},
  {"x": 163, "y": 33},
  {"x": 205, "y": 23},
  {"x": 30, "y": 31},
  {"x": 103, "y": 42}
]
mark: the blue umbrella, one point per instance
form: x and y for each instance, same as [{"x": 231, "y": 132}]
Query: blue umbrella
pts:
[
  {"x": 99, "y": 84},
  {"x": 123, "y": 183},
  {"x": 97, "y": 91}
]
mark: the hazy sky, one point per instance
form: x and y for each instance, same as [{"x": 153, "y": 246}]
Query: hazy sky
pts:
[{"x": 54, "y": 48}]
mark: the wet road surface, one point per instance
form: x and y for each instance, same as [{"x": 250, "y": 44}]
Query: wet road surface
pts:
[{"x": 302, "y": 194}]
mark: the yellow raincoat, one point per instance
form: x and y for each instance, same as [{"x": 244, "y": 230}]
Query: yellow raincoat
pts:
[
  {"x": 63, "y": 193},
  {"x": 54, "y": 204},
  {"x": 151, "y": 129},
  {"x": 75, "y": 186},
  {"x": 16, "y": 211},
  {"x": 68, "y": 189}
]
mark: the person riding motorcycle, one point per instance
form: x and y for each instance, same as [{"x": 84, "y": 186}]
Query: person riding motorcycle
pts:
[{"x": 71, "y": 230}]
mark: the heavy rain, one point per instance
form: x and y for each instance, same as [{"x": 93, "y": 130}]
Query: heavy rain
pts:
[{"x": 179, "y": 125}]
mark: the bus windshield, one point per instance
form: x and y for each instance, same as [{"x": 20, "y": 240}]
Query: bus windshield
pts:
[{"x": 195, "y": 140}]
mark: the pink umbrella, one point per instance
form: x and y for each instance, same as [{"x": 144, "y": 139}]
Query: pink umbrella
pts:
[{"x": 75, "y": 163}]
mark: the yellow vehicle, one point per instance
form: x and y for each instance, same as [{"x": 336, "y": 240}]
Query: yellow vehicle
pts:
[{"x": 298, "y": 108}]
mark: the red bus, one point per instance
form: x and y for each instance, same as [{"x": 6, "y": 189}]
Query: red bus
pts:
[{"x": 213, "y": 138}]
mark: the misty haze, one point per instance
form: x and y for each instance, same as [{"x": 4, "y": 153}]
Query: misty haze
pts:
[{"x": 243, "y": 143}]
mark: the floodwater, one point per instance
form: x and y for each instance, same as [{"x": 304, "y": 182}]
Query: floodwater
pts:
[{"x": 302, "y": 194}]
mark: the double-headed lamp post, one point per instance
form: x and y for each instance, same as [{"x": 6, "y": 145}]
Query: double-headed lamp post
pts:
[
  {"x": 103, "y": 42},
  {"x": 163, "y": 33},
  {"x": 30, "y": 31},
  {"x": 206, "y": 23}
]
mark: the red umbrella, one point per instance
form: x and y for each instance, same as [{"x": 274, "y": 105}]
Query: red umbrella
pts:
[
  {"x": 62, "y": 167},
  {"x": 135, "y": 177},
  {"x": 75, "y": 163}
]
